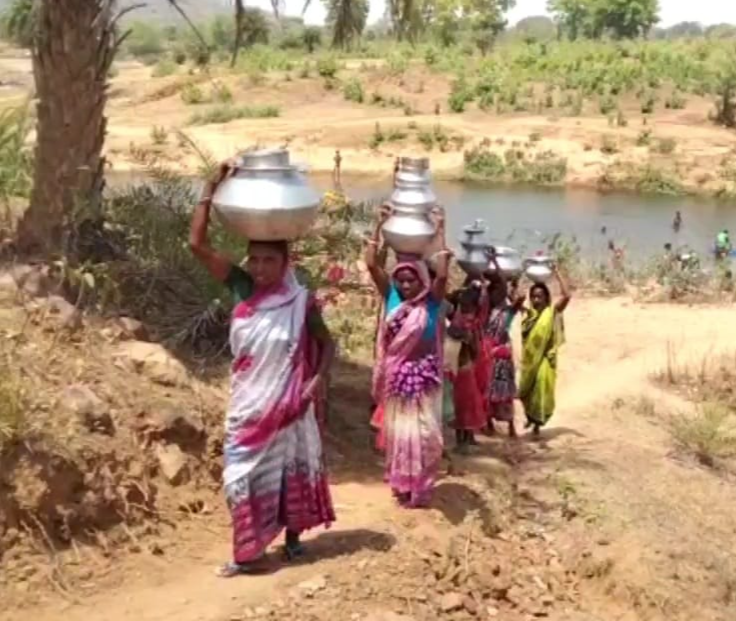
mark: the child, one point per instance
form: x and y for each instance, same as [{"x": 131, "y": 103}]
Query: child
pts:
[{"x": 467, "y": 399}]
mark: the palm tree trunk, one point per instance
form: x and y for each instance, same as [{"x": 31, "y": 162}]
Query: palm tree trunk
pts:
[{"x": 74, "y": 48}]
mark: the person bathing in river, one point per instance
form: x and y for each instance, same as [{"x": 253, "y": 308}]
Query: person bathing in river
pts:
[
  {"x": 542, "y": 335},
  {"x": 274, "y": 474},
  {"x": 407, "y": 379},
  {"x": 504, "y": 304}
]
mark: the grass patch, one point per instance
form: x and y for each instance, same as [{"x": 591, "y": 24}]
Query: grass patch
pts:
[
  {"x": 225, "y": 113},
  {"x": 709, "y": 435},
  {"x": 12, "y": 405}
]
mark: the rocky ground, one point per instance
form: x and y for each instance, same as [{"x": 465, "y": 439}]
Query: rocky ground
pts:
[{"x": 110, "y": 466}]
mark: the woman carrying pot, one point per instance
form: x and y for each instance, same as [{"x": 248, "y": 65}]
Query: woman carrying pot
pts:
[
  {"x": 542, "y": 334},
  {"x": 407, "y": 381},
  {"x": 274, "y": 475}
]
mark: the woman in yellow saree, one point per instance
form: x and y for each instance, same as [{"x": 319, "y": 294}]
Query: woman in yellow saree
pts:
[{"x": 542, "y": 334}]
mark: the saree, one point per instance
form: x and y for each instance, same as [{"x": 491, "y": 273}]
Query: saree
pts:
[
  {"x": 502, "y": 382},
  {"x": 274, "y": 476},
  {"x": 542, "y": 335},
  {"x": 408, "y": 388}
]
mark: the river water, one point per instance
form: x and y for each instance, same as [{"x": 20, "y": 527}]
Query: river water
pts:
[{"x": 526, "y": 217}]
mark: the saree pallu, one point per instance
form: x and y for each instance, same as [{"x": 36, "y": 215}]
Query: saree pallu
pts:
[
  {"x": 274, "y": 476},
  {"x": 542, "y": 336}
]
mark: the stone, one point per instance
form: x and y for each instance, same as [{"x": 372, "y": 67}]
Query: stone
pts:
[
  {"x": 173, "y": 463},
  {"x": 92, "y": 411},
  {"x": 309, "y": 588},
  {"x": 153, "y": 361},
  {"x": 492, "y": 612},
  {"x": 132, "y": 329},
  {"x": 184, "y": 429},
  {"x": 63, "y": 312},
  {"x": 451, "y": 602},
  {"x": 470, "y": 605}
]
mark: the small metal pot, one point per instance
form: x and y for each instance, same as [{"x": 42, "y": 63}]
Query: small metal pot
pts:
[
  {"x": 473, "y": 259},
  {"x": 538, "y": 268}
]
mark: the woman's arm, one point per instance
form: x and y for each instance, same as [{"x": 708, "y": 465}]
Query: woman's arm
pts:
[
  {"x": 439, "y": 286},
  {"x": 373, "y": 262},
  {"x": 564, "y": 299},
  {"x": 321, "y": 334},
  {"x": 216, "y": 263}
]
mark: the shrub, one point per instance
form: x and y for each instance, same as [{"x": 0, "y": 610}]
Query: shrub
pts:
[
  {"x": 159, "y": 135},
  {"x": 480, "y": 163},
  {"x": 609, "y": 145},
  {"x": 675, "y": 101},
  {"x": 666, "y": 146},
  {"x": 222, "y": 94},
  {"x": 431, "y": 56},
  {"x": 226, "y": 113},
  {"x": 644, "y": 138},
  {"x": 607, "y": 105},
  {"x": 397, "y": 63},
  {"x": 192, "y": 95},
  {"x": 327, "y": 67},
  {"x": 353, "y": 90},
  {"x": 377, "y": 138},
  {"x": 164, "y": 68},
  {"x": 460, "y": 95}
]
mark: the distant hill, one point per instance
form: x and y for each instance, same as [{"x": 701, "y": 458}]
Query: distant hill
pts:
[{"x": 161, "y": 11}]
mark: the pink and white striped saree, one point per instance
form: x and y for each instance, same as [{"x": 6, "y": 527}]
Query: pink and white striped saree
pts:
[{"x": 274, "y": 474}]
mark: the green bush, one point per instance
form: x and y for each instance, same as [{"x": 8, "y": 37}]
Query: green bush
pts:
[
  {"x": 327, "y": 67},
  {"x": 226, "y": 113},
  {"x": 353, "y": 91},
  {"x": 480, "y": 163},
  {"x": 164, "y": 68},
  {"x": 460, "y": 95},
  {"x": 666, "y": 146},
  {"x": 192, "y": 95}
]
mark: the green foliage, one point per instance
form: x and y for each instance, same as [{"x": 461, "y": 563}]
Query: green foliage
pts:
[
  {"x": 192, "y": 95},
  {"x": 353, "y": 91},
  {"x": 164, "y": 68},
  {"x": 460, "y": 95},
  {"x": 347, "y": 20},
  {"x": 225, "y": 113},
  {"x": 17, "y": 23},
  {"x": 16, "y": 160},
  {"x": 327, "y": 67},
  {"x": 621, "y": 19},
  {"x": 312, "y": 38},
  {"x": 145, "y": 40},
  {"x": 483, "y": 164}
]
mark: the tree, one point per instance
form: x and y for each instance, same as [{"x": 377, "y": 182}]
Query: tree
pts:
[
  {"x": 17, "y": 23},
  {"x": 407, "y": 18},
  {"x": 625, "y": 19},
  {"x": 487, "y": 20},
  {"x": 347, "y": 19},
  {"x": 622, "y": 19},
  {"x": 312, "y": 38},
  {"x": 573, "y": 17},
  {"x": 74, "y": 46}
]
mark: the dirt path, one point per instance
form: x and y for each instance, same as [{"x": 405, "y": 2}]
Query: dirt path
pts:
[{"x": 662, "y": 530}]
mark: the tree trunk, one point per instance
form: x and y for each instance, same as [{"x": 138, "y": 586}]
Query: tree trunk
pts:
[{"x": 74, "y": 48}]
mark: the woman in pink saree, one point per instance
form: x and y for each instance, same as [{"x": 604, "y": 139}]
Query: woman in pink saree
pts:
[
  {"x": 407, "y": 383},
  {"x": 274, "y": 475}
]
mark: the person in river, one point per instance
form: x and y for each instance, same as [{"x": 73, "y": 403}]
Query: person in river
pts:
[
  {"x": 677, "y": 222},
  {"x": 542, "y": 335},
  {"x": 274, "y": 474},
  {"x": 407, "y": 380},
  {"x": 504, "y": 304},
  {"x": 723, "y": 244}
]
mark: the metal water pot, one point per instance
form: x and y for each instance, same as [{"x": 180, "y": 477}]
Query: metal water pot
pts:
[
  {"x": 473, "y": 259},
  {"x": 538, "y": 268},
  {"x": 409, "y": 229},
  {"x": 267, "y": 198},
  {"x": 509, "y": 262}
]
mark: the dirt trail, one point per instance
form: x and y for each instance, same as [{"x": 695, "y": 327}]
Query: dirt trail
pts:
[{"x": 665, "y": 529}]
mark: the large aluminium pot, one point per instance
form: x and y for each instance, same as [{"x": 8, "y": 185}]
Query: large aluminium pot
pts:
[
  {"x": 509, "y": 262},
  {"x": 409, "y": 229},
  {"x": 266, "y": 198}
]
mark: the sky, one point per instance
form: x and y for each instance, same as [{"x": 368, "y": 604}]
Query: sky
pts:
[{"x": 671, "y": 11}]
